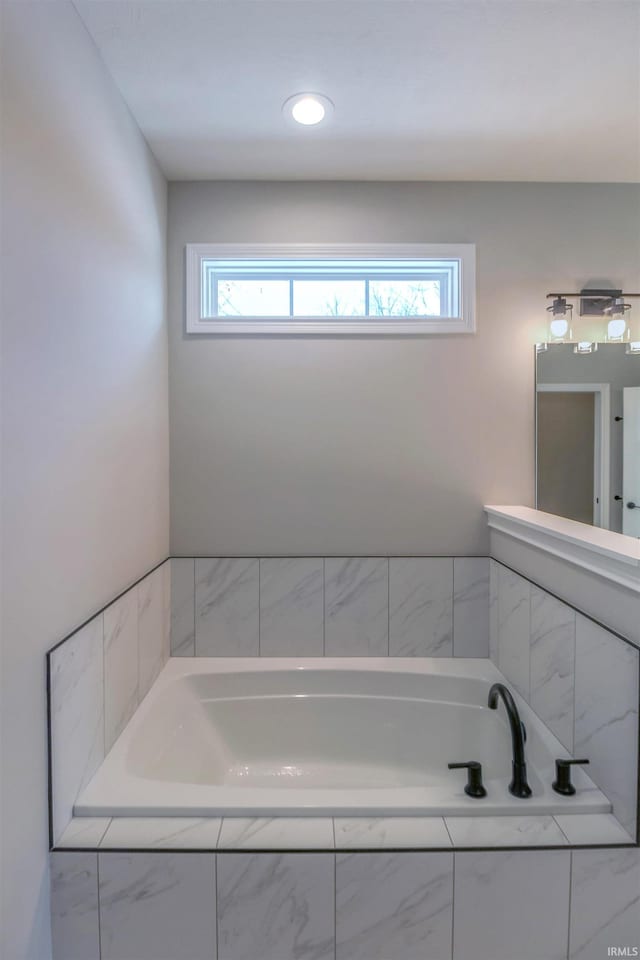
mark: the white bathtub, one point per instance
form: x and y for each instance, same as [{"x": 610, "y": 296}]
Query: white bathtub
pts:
[{"x": 271, "y": 737}]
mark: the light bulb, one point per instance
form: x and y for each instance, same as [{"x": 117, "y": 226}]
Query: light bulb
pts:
[
  {"x": 307, "y": 109},
  {"x": 559, "y": 320},
  {"x": 616, "y": 328},
  {"x": 559, "y": 328}
]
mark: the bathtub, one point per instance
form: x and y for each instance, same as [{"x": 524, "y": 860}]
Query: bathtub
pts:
[{"x": 342, "y": 737}]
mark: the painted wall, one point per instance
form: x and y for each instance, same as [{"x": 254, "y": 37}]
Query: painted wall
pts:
[
  {"x": 84, "y": 395},
  {"x": 285, "y": 446}
]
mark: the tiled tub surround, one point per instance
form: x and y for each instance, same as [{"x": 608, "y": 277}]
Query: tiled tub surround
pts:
[
  {"x": 97, "y": 678},
  {"x": 581, "y": 680},
  {"x": 169, "y": 888},
  {"x": 338, "y": 606},
  {"x": 383, "y": 904}
]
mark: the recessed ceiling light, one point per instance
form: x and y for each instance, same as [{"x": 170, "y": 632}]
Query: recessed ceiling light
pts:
[{"x": 307, "y": 108}]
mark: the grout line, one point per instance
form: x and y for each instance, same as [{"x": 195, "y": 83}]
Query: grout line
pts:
[
  {"x": 573, "y": 692},
  {"x": 561, "y": 830},
  {"x": 453, "y": 900},
  {"x": 219, "y": 834},
  {"x": 215, "y": 891},
  {"x": 570, "y": 904},
  {"x": 388, "y": 606},
  {"x": 195, "y": 649},
  {"x": 335, "y": 902},
  {"x": 453, "y": 606},
  {"x": 99, "y": 905},
  {"x": 324, "y": 606},
  {"x": 259, "y": 559}
]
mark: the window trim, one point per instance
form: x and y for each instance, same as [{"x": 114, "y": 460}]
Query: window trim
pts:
[{"x": 400, "y": 326}]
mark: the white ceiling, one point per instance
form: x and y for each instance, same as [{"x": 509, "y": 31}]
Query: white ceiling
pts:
[{"x": 423, "y": 89}]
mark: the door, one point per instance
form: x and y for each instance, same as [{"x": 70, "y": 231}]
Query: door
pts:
[
  {"x": 631, "y": 462},
  {"x": 566, "y": 454}
]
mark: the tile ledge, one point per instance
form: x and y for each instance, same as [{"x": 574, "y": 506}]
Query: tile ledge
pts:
[
  {"x": 612, "y": 556},
  {"x": 606, "y": 832}
]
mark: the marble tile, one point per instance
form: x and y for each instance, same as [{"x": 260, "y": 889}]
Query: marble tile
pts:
[
  {"x": 606, "y": 715},
  {"x": 227, "y": 608},
  {"x": 120, "y": 665},
  {"x": 157, "y": 906},
  {"x": 75, "y": 932},
  {"x": 150, "y": 630},
  {"x": 605, "y": 902},
  {"x": 553, "y": 641},
  {"x": 505, "y": 831},
  {"x": 363, "y": 832},
  {"x": 180, "y": 833},
  {"x": 183, "y": 629},
  {"x": 393, "y": 906},
  {"x": 471, "y": 607},
  {"x": 511, "y": 905},
  {"x": 513, "y": 629},
  {"x": 291, "y": 607},
  {"x": 77, "y": 723},
  {"x": 356, "y": 607},
  {"x": 166, "y": 610},
  {"x": 592, "y": 828},
  {"x": 421, "y": 606},
  {"x": 493, "y": 610},
  {"x": 276, "y": 906},
  {"x": 278, "y": 833},
  {"x": 84, "y": 832}
]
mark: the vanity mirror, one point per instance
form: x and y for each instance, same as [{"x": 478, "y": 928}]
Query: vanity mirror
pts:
[{"x": 588, "y": 435}]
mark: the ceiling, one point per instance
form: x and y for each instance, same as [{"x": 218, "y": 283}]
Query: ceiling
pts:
[{"x": 423, "y": 89}]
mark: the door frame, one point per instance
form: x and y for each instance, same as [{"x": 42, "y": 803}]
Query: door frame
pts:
[{"x": 601, "y": 442}]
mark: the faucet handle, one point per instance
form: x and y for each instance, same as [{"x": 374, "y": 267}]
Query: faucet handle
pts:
[
  {"x": 474, "y": 786},
  {"x": 562, "y": 783}
]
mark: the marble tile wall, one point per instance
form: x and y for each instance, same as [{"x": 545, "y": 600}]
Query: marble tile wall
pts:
[
  {"x": 379, "y": 905},
  {"x": 333, "y": 606},
  {"x": 97, "y": 678},
  {"x": 581, "y": 680}
]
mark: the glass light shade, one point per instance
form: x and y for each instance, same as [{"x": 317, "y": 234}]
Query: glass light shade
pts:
[
  {"x": 633, "y": 346},
  {"x": 618, "y": 321},
  {"x": 559, "y": 321}
]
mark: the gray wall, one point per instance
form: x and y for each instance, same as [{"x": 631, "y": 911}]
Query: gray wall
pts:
[
  {"x": 610, "y": 364},
  {"x": 84, "y": 395},
  {"x": 376, "y": 446}
]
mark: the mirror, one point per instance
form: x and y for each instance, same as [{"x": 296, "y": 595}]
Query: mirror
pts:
[{"x": 588, "y": 435}]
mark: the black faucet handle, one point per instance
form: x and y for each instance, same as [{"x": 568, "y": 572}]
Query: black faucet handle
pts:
[
  {"x": 474, "y": 786},
  {"x": 562, "y": 783}
]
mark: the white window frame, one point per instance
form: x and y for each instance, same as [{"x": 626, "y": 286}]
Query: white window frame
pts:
[{"x": 398, "y": 326}]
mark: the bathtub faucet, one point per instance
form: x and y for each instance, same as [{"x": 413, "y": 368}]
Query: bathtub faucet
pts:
[{"x": 518, "y": 786}]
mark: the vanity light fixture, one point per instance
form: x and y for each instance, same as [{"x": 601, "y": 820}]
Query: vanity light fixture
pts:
[
  {"x": 610, "y": 305},
  {"x": 308, "y": 109}
]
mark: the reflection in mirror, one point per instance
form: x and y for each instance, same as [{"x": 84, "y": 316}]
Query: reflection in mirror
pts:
[{"x": 588, "y": 436}]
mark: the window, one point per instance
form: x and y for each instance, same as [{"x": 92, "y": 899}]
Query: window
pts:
[{"x": 343, "y": 289}]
